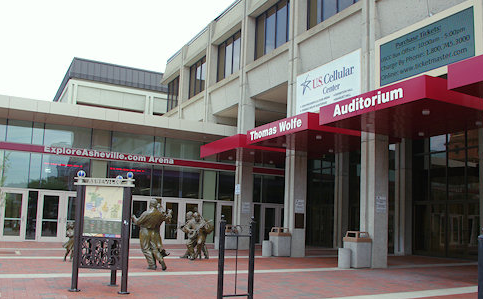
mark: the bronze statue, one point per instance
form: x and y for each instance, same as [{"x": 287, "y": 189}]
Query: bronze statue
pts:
[
  {"x": 69, "y": 245},
  {"x": 205, "y": 228},
  {"x": 149, "y": 223},
  {"x": 184, "y": 228},
  {"x": 197, "y": 229}
]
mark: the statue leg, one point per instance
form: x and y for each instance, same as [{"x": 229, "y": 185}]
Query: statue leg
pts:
[
  {"x": 205, "y": 251},
  {"x": 146, "y": 250}
]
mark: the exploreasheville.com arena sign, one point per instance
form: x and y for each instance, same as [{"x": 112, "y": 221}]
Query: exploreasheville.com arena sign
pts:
[{"x": 441, "y": 43}]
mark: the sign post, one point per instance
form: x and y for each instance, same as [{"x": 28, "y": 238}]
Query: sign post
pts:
[{"x": 102, "y": 226}]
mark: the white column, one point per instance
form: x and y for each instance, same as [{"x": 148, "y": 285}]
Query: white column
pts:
[
  {"x": 341, "y": 198},
  {"x": 296, "y": 199},
  {"x": 243, "y": 205},
  {"x": 374, "y": 194}
]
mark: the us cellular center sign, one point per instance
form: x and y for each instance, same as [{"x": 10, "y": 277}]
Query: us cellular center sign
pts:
[{"x": 329, "y": 83}]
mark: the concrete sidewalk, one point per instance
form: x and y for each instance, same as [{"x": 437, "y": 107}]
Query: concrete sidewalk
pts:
[{"x": 36, "y": 270}]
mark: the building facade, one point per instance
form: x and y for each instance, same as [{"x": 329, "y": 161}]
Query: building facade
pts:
[
  {"x": 318, "y": 116},
  {"x": 413, "y": 184}
]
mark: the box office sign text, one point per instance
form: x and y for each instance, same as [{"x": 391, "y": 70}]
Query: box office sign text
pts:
[{"x": 441, "y": 43}]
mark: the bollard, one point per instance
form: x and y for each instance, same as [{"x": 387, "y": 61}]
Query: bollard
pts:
[{"x": 480, "y": 266}]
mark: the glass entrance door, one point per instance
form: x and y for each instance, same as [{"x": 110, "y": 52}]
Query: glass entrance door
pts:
[
  {"x": 14, "y": 213},
  {"x": 266, "y": 217},
  {"x": 170, "y": 231},
  {"x": 53, "y": 210},
  {"x": 139, "y": 205}
]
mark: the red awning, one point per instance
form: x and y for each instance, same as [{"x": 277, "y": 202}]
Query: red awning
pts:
[
  {"x": 467, "y": 76},
  {"x": 415, "y": 108},
  {"x": 303, "y": 133},
  {"x": 226, "y": 148}
]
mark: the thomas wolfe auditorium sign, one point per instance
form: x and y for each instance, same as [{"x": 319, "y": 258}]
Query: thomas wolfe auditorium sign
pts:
[
  {"x": 441, "y": 43},
  {"x": 329, "y": 83}
]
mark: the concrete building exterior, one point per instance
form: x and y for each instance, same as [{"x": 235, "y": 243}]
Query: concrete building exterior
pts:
[
  {"x": 317, "y": 116},
  {"x": 270, "y": 45}
]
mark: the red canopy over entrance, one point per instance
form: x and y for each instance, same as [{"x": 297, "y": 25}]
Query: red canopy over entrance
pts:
[
  {"x": 303, "y": 133},
  {"x": 415, "y": 108},
  {"x": 467, "y": 76}
]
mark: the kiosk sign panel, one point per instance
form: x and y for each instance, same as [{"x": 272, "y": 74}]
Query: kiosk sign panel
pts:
[
  {"x": 103, "y": 211},
  {"x": 329, "y": 83},
  {"x": 441, "y": 43}
]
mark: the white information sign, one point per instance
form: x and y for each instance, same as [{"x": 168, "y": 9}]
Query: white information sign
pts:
[
  {"x": 381, "y": 204},
  {"x": 337, "y": 80},
  {"x": 300, "y": 206},
  {"x": 245, "y": 209},
  {"x": 237, "y": 189}
]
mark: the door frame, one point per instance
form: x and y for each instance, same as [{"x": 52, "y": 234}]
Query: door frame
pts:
[
  {"x": 278, "y": 216},
  {"x": 180, "y": 236},
  {"x": 61, "y": 217},
  {"x": 23, "y": 215}
]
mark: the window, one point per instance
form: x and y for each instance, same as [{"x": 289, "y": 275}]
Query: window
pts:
[
  {"x": 197, "y": 77},
  {"x": 321, "y": 10},
  {"x": 173, "y": 87},
  {"x": 229, "y": 56},
  {"x": 272, "y": 28}
]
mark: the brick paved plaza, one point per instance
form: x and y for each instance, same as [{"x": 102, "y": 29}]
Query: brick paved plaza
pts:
[{"x": 36, "y": 270}]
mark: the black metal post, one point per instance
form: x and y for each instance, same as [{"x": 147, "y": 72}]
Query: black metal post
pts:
[
  {"x": 113, "y": 278},
  {"x": 78, "y": 230},
  {"x": 480, "y": 266},
  {"x": 125, "y": 235},
  {"x": 221, "y": 257},
  {"x": 251, "y": 259}
]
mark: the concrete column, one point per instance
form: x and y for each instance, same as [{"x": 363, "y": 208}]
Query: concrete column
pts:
[
  {"x": 403, "y": 200},
  {"x": 341, "y": 198},
  {"x": 296, "y": 199},
  {"x": 243, "y": 205},
  {"x": 374, "y": 194}
]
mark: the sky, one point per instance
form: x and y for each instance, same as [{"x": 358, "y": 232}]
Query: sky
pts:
[{"x": 39, "y": 38}]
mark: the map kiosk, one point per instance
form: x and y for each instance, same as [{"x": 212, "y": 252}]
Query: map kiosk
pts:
[{"x": 102, "y": 226}]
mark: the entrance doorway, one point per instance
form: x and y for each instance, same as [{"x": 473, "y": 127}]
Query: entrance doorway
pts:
[
  {"x": 266, "y": 217},
  {"x": 14, "y": 215},
  {"x": 54, "y": 210},
  {"x": 172, "y": 234}
]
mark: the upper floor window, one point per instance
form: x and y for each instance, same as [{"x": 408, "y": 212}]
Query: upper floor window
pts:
[
  {"x": 229, "y": 56},
  {"x": 272, "y": 28},
  {"x": 321, "y": 10},
  {"x": 173, "y": 87},
  {"x": 197, "y": 77}
]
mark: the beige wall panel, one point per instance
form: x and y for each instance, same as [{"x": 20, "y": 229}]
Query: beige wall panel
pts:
[
  {"x": 342, "y": 38},
  {"x": 395, "y": 14},
  {"x": 134, "y": 102},
  {"x": 110, "y": 98},
  {"x": 225, "y": 97},
  {"x": 268, "y": 75},
  {"x": 88, "y": 95},
  {"x": 229, "y": 21},
  {"x": 197, "y": 48},
  {"x": 172, "y": 67},
  {"x": 255, "y": 7},
  {"x": 159, "y": 105},
  {"x": 194, "y": 111}
]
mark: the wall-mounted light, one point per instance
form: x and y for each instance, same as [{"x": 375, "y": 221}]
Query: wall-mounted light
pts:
[
  {"x": 478, "y": 123},
  {"x": 420, "y": 134},
  {"x": 425, "y": 112},
  {"x": 331, "y": 150},
  {"x": 252, "y": 153},
  {"x": 230, "y": 158},
  {"x": 318, "y": 137}
]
